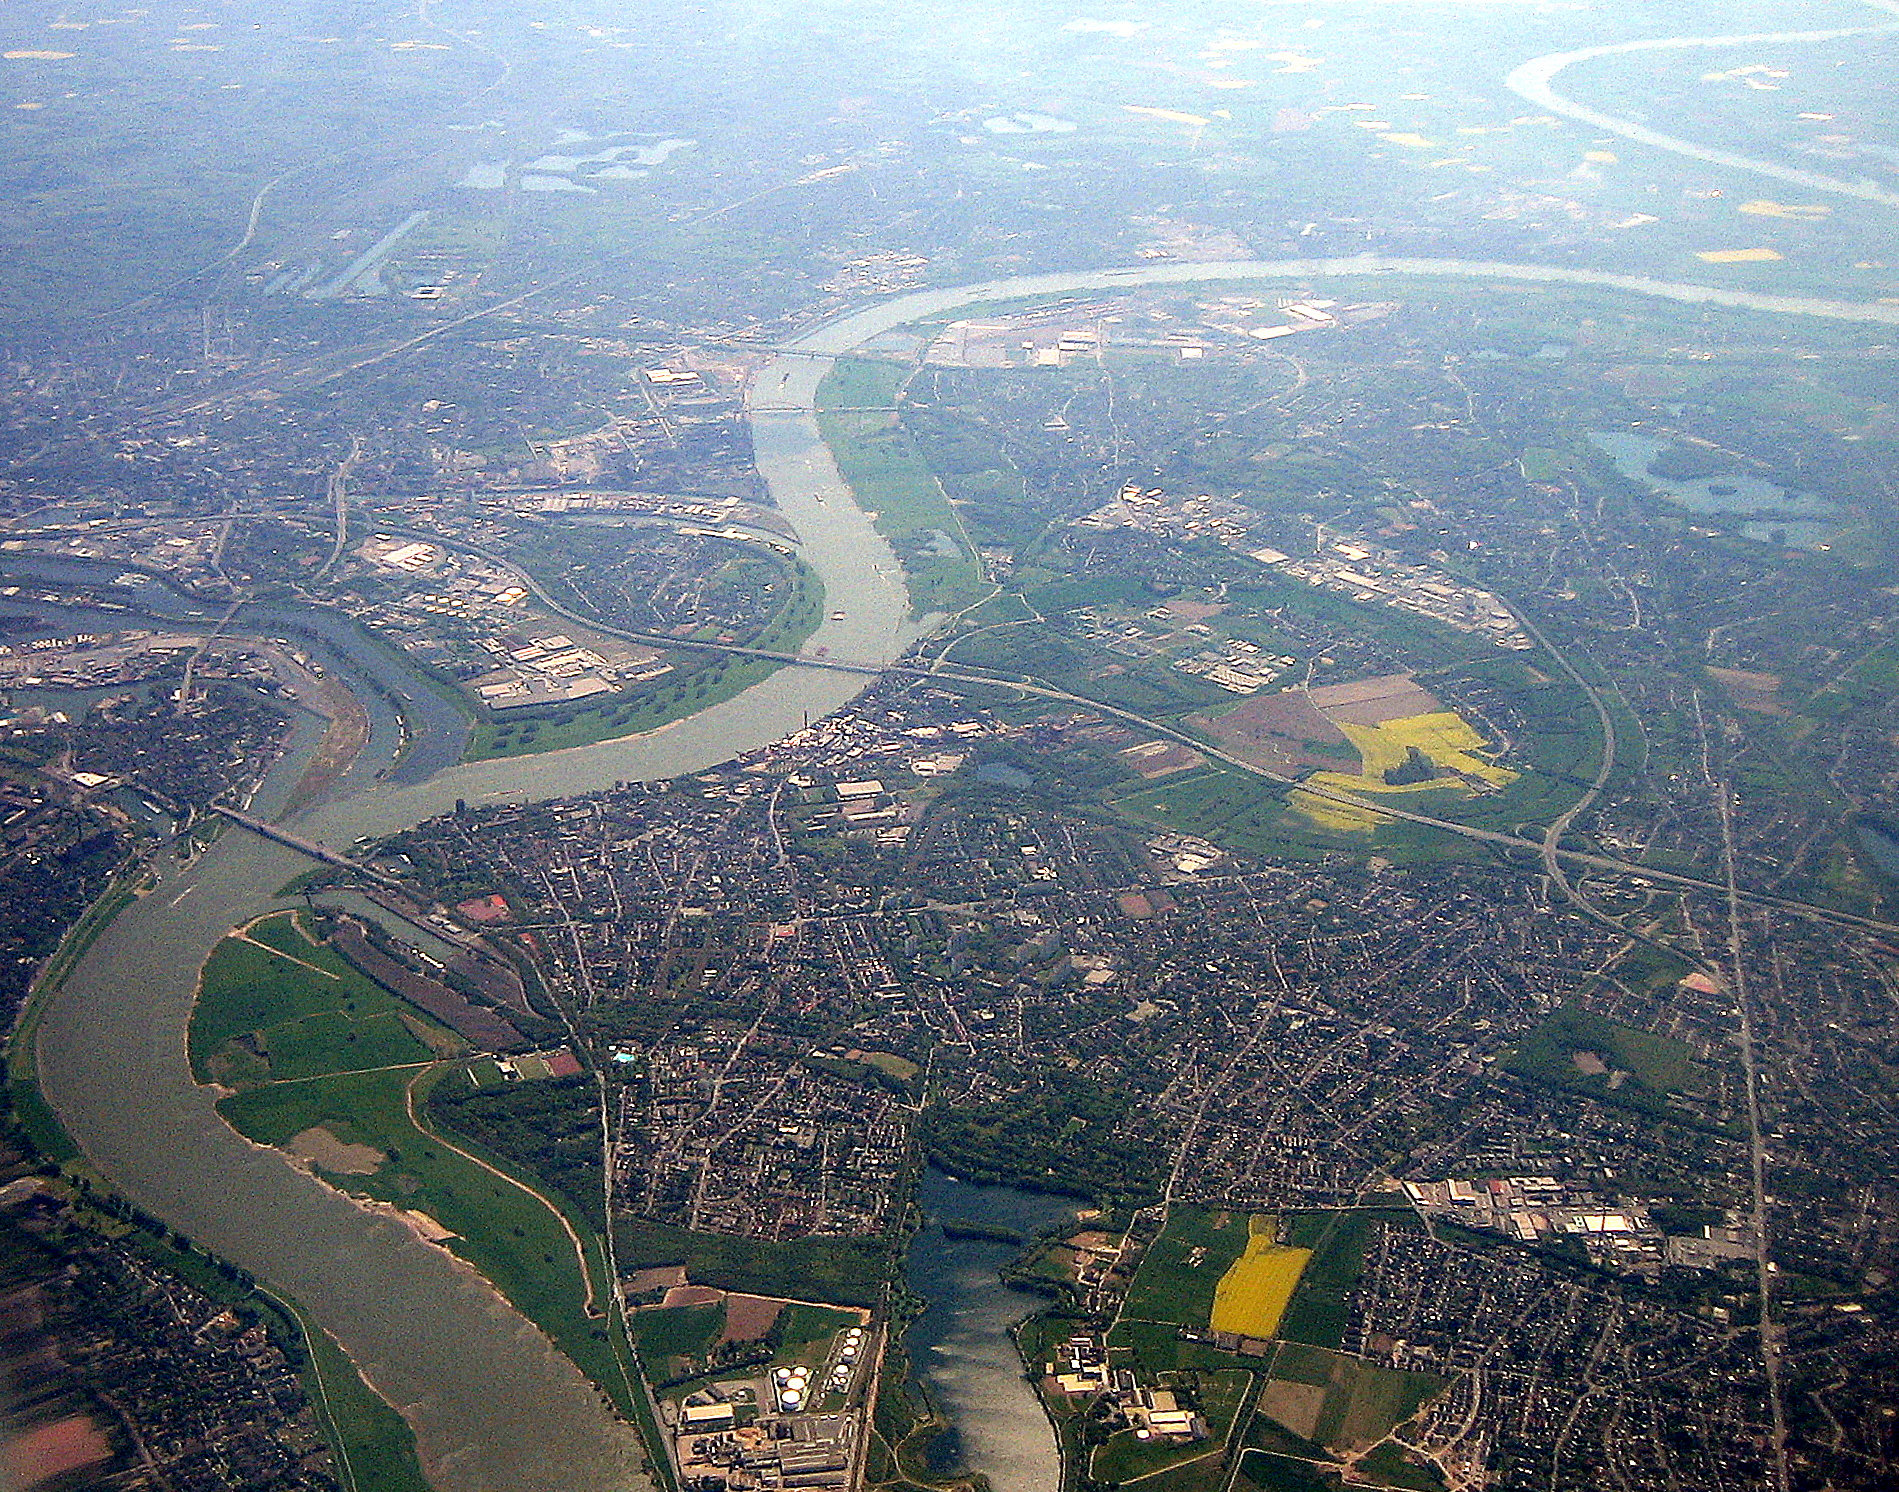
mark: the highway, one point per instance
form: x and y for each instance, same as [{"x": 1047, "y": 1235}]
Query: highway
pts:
[
  {"x": 1602, "y": 864},
  {"x": 337, "y": 490},
  {"x": 1770, "y": 1336},
  {"x": 1547, "y": 852},
  {"x": 1553, "y": 836}
]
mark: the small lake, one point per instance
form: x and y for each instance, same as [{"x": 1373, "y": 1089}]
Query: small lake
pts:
[
  {"x": 1028, "y": 124},
  {"x": 1749, "y": 505},
  {"x": 1880, "y": 843},
  {"x": 961, "y": 1347}
]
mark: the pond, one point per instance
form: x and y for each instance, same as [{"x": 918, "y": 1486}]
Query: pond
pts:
[
  {"x": 961, "y": 1345},
  {"x": 1880, "y": 843},
  {"x": 1749, "y": 505}
]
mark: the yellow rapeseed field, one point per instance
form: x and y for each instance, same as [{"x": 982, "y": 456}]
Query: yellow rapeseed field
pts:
[
  {"x": 1738, "y": 256},
  {"x": 1252, "y": 1294},
  {"x": 1444, "y": 736}
]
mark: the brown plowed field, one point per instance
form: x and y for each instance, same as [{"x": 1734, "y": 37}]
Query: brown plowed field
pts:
[
  {"x": 1291, "y": 729},
  {"x": 1393, "y": 696},
  {"x": 692, "y": 1295},
  {"x": 1278, "y": 732},
  {"x": 749, "y": 1317}
]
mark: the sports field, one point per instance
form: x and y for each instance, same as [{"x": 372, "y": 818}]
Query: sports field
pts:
[{"x": 1252, "y": 1294}]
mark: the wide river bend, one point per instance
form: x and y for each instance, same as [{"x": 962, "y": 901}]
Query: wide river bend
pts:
[{"x": 495, "y": 1408}]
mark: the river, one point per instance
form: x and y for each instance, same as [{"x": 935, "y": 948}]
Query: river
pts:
[
  {"x": 1531, "y": 82},
  {"x": 494, "y": 1407}
]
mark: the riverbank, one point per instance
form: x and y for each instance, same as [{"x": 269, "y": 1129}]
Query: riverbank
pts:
[{"x": 493, "y": 1404}]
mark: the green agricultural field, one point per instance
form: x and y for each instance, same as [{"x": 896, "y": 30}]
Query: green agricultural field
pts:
[
  {"x": 1183, "y": 1267},
  {"x": 666, "y": 1336},
  {"x": 1541, "y": 464},
  {"x": 1344, "y": 1403},
  {"x": 323, "y": 1043},
  {"x": 849, "y": 1271},
  {"x": 1241, "y": 812},
  {"x": 273, "y": 1006},
  {"x": 1276, "y": 1473},
  {"x": 1318, "y": 1310},
  {"x": 801, "y": 1324},
  {"x": 1092, "y": 590},
  {"x": 1389, "y": 1464},
  {"x": 1265, "y": 1433},
  {"x": 1150, "y": 687}
]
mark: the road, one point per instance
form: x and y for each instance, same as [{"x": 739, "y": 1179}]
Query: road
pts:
[
  {"x": 189, "y": 681},
  {"x": 1553, "y": 836},
  {"x": 1756, "y": 1145},
  {"x": 1549, "y": 852},
  {"x": 338, "y": 490}
]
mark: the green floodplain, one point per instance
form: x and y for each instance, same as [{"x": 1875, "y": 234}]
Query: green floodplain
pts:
[
  {"x": 321, "y": 1061},
  {"x": 328, "y": 1065},
  {"x": 699, "y": 680},
  {"x": 373, "y": 1444}
]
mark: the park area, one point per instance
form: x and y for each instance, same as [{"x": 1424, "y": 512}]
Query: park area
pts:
[{"x": 275, "y": 1005}]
